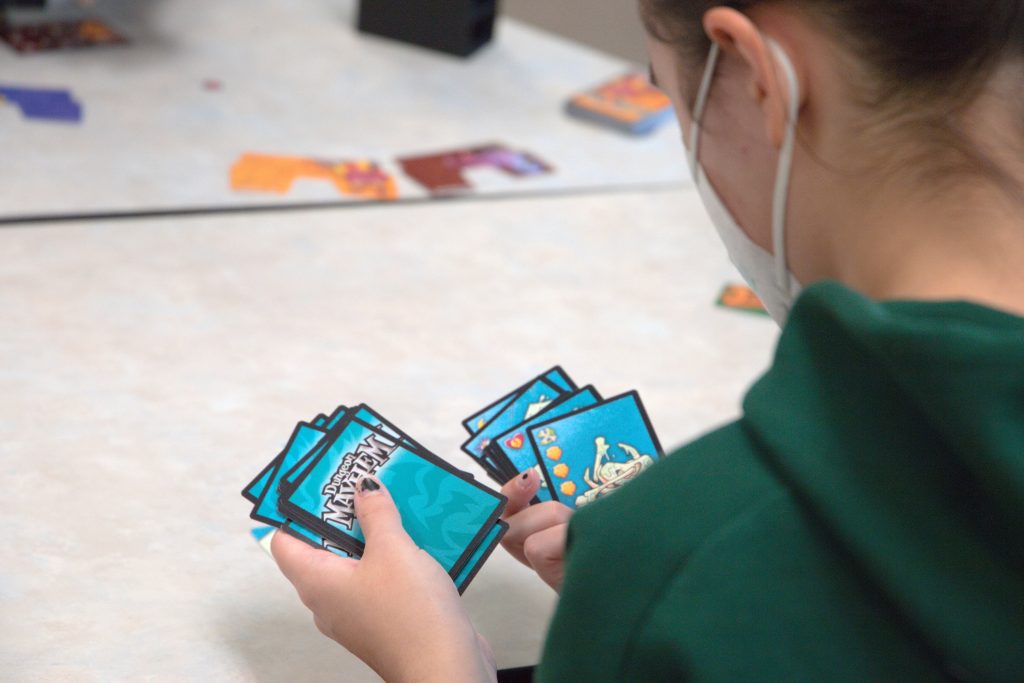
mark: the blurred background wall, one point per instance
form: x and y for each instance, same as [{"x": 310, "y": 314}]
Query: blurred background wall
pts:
[{"x": 609, "y": 25}]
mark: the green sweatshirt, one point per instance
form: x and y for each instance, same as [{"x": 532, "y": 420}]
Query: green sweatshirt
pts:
[{"x": 863, "y": 520}]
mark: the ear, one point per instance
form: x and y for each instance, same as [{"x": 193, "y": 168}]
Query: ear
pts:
[{"x": 738, "y": 37}]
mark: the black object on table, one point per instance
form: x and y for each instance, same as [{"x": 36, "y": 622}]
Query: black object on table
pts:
[
  {"x": 523, "y": 674},
  {"x": 458, "y": 27}
]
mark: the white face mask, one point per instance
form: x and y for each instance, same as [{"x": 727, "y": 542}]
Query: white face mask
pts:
[{"x": 766, "y": 274}]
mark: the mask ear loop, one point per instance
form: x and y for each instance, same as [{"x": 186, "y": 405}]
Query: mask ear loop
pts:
[
  {"x": 785, "y": 167},
  {"x": 698, "y": 108}
]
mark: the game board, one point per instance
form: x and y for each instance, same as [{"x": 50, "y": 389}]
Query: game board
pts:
[{"x": 172, "y": 119}]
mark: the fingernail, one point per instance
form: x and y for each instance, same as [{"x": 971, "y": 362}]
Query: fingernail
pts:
[{"x": 368, "y": 485}]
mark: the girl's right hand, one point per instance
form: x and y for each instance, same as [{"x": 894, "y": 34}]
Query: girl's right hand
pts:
[{"x": 536, "y": 534}]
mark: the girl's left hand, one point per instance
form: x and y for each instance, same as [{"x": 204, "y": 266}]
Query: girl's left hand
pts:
[{"x": 396, "y": 608}]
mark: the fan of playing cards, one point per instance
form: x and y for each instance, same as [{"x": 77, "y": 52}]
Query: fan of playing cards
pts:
[
  {"x": 309, "y": 491},
  {"x": 584, "y": 448}
]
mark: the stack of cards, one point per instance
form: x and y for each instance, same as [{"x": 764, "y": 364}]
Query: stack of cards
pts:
[
  {"x": 583, "y": 446},
  {"x": 308, "y": 491}
]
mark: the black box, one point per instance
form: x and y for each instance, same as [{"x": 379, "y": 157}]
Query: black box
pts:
[
  {"x": 458, "y": 27},
  {"x": 19, "y": 4}
]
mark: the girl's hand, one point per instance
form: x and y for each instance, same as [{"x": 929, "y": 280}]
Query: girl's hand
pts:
[
  {"x": 396, "y": 608},
  {"x": 536, "y": 534}
]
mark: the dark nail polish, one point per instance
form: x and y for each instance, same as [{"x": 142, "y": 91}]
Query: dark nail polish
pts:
[
  {"x": 525, "y": 476},
  {"x": 367, "y": 484}
]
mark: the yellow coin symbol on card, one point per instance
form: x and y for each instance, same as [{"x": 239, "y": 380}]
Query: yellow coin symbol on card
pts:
[
  {"x": 554, "y": 452},
  {"x": 568, "y": 488},
  {"x": 561, "y": 470},
  {"x": 480, "y": 423}
]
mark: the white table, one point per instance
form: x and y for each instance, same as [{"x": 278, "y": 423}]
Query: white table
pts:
[
  {"x": 149, "y": 368},
  {"x": 298, "y": 80}
]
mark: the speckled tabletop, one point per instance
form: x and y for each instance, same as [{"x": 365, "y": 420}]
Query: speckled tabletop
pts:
[
  {"x": 149, "y": 368},
  {"x": 295, "y": 79}
]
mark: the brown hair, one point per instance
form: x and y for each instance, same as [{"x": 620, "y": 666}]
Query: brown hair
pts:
[
  {"x": 909, "y": 44},
  {"x": 942, "y": 52}
]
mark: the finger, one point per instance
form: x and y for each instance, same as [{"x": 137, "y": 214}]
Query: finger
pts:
[
  {"x": 302, "y": 564},
  {"x": 520, "y": 491},
  {"x": 545, "y": 551},
  {"x": 378, "y": 517},
  {"x": 535, "y": 519}
]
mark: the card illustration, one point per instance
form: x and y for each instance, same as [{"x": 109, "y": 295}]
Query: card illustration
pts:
[
  {"x": 530, "y": 401},
  {"x": 592, "y": 452},
  {"x": 517, "y": 449}
]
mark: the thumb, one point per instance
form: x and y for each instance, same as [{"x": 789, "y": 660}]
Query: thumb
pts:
[
  {"x": 520, "y": 491},
  {"x": 375, "y": 509}
]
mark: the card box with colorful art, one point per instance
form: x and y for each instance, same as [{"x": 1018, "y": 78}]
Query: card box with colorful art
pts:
[{"x": 628, "y": 103}]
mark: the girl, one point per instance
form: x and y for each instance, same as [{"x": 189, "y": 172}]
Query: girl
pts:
[{"x": 864, "y": 519}]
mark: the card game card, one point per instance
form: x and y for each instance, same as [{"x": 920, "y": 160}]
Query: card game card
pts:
[
  {"x": 628, "y": 103},
  {"x": 255, "y": 488},
  {"x": 303, "y": 440},
  {"x": 583, "y": 447},
  {"x": 480, "y": 555},
  {"x": 444, "y": 510},
  {"x": 368, "y": 416},
  {"x": 556, "y": 376},
  {"x": 314, "y": 539},
  {"x": 353, "y": 178},
  {"x": 44, "y": 104},
  {"x": 514, "y": 452},
  {"x": 445, "y": 513},
  {"x": 741, "y": 298},
  {"x": 594, "y": 451},
  {"x": 527, "y": 403},
  {"x": 443, "y": 172}
]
